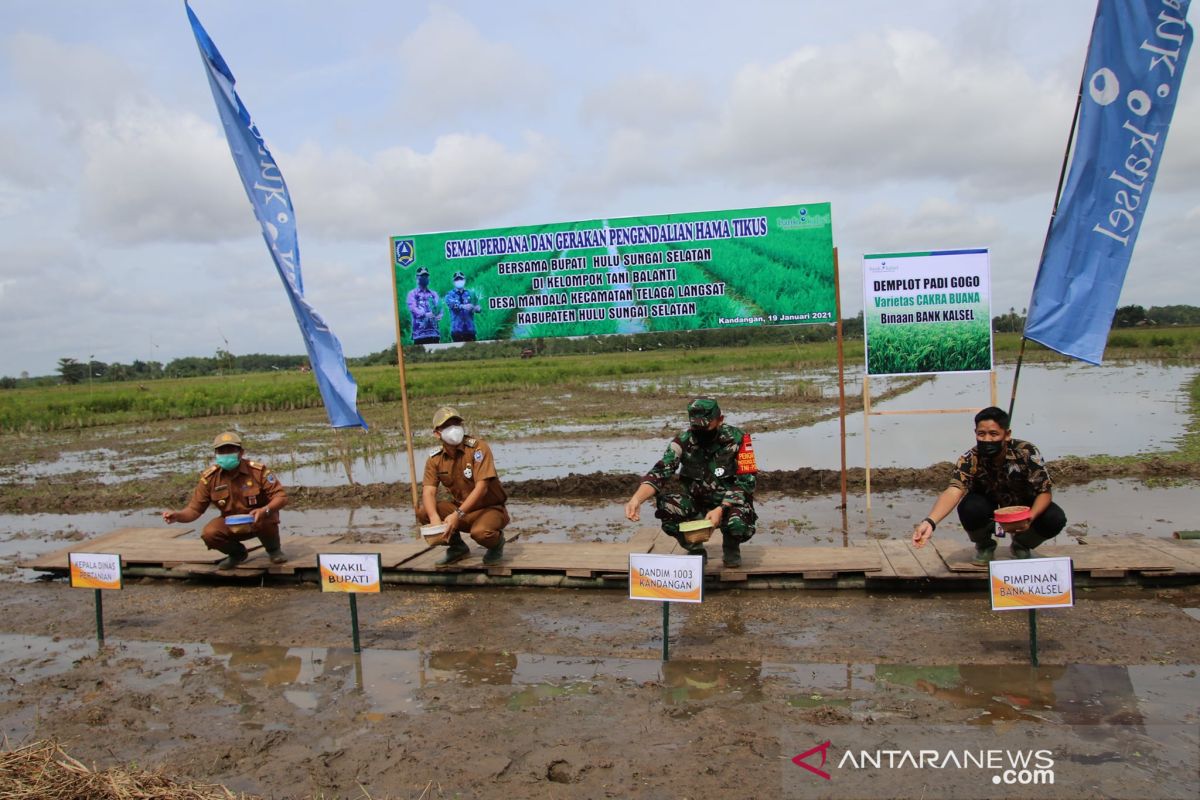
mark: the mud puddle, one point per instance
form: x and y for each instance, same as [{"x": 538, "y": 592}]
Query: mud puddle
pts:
[{"x": 394, "y": 681}]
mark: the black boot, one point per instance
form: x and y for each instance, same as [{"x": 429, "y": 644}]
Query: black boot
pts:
[
  {"x": 985, "y": 544},
  {"x": 233, "y": 557},
  {"x": 274, "y": 550},
  {"x": 457, "y": 550},
  {"x": 731, "y": 552},
  {"x": 494, "y": 554}
]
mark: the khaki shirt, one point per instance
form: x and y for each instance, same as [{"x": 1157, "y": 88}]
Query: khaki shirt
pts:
[
  {"x": 241, "y": 491},
  {"x": 459, "y": 469}
]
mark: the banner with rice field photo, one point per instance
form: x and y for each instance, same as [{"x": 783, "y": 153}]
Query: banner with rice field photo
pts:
[
  {"x": 688, "y": 271},
  {"x": 927, "y": 312}
]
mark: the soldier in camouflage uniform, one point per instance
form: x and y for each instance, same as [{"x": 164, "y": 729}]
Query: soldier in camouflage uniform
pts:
[
  {"x": 998, "y": 471},
  {"x": 716, "y": 466}
]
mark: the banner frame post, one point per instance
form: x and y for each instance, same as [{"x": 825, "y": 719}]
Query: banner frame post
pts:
[
  {"x": 408, "y": 437},
  {"x": 99, "y": 618},
  {"x": 354, "y": 621},
  {"x": 841, "y": 359}
]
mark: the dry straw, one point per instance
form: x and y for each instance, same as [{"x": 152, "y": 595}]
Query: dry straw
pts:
[{"x": 44, "y": 771}]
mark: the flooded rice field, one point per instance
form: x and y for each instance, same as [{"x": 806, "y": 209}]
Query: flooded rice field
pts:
[{"x": 1066, "y": 409}]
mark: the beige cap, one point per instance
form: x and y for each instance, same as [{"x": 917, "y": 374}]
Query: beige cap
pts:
[
  {"x": 228, "y": 437},
  {"x": 442, "y": 414}
]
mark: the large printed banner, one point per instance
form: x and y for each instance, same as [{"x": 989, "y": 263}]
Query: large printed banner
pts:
[
  {"x": 716, "y": 269},
  {"x": 927, "y": 312}
]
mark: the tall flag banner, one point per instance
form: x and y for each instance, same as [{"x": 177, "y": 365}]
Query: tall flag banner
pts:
[
  {"x": 1130, "y": 84},
  {"x": 272, "y": 204}
]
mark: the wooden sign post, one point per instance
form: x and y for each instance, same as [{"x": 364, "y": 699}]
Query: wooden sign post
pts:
[
  {"x": 666, "y": 579},
  {"x": 1031, "y": 583},
  {"x": 350, "y": 573},
  {"x": 96, "y": 571}
]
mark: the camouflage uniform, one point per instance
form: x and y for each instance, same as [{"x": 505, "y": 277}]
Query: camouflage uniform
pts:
[
  {"x": 708, "y": 469},
  {"x": 1015, "y": 481}
]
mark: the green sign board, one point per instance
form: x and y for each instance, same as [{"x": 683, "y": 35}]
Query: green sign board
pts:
[
  {"x": 716, "y": 269},
  {"x": 927, "y": 312}
]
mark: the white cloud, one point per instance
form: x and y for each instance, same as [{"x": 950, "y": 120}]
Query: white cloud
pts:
[
  {"x": 889, "y": 107},
  {"x": 463, "y": 179},
  {"x": 152, "y": 174},
  {"x": 452, "y": 71}
]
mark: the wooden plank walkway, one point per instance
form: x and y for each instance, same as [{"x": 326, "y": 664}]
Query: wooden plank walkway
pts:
[{"x": 179, "y": 553}]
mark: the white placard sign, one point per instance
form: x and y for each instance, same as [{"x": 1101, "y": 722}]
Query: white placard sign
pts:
[
  {"x": 351, "y": 572},
  {"x": 95, "y": 570},
  {"x": 1031, "y": 583},
  {"x": 671, "y": 579}
]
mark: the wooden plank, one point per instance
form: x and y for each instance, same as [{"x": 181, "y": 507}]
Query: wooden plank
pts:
[
  {"x": 931, "y": 561},
  {"x": 885, "y": 567},
  {"x": 1129, "y": 557},
  {"x": 300, "y": 550},
  {"x": 134, "y": 545},
  {"x": 821, "y": 575},
  {"x": 958, "y": 558},
  {"x": 1184, "y": 555},
  {"x": 810, "y": 559},
  {"x": 1108, "y": 573},
  {"x": 903, "y": 561},
  {"x": 643, "y": 540}
]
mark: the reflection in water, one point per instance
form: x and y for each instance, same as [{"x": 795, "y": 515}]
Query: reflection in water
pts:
[
  {"x": 690, "y": 680},
  {"x": 470, "y": 667},
  {"x": 1075, "y": 694}
]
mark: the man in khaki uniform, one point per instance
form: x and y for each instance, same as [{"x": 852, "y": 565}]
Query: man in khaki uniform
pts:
[
  {"x": 236, "y": 486},
  {"x": 464, "y": 465}
]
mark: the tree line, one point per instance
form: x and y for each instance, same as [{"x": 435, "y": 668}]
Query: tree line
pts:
[{"x": 223, "y": 362}]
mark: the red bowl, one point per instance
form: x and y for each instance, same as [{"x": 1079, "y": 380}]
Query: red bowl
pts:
[{"x": 1011, "y": 514}]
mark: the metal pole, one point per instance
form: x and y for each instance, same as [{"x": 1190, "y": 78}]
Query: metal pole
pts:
[
  {"x": 354, "y": 620},
  {"x": 666, "y": 630},
  {"x": 99, "y": 618},
  {"x": 1033, "y": 658}
]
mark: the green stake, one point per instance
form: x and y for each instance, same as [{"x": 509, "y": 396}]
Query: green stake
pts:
[
  {"x": 354, "y": 620},
  {"x": 99, "y": 618},
  {"x": 1033, "y": 636},
  {"x": 666, "y": 630}
]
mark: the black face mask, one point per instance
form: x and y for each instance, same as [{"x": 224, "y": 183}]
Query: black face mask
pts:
[
  {"x": 989, "y": 449},
  {"x": 703, "y": 434}
]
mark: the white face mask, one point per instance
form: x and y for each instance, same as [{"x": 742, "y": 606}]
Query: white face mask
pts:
[
  {"x": 453, "y": 435},
  {"x": 459, "y": 284}
]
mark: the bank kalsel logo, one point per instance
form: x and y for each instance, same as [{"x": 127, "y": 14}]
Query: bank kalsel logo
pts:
[{"x": 823, "y": 750}]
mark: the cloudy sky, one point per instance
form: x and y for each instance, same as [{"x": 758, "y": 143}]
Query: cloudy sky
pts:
[{"x": 125, "y": 233}]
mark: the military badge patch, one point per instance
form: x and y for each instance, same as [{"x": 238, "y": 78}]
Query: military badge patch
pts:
[
  {"x": 745, "y": 457},
  {"x": 479, "y": 455}
]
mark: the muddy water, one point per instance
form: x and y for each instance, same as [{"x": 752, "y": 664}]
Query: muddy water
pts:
[{"x": 313, "y": 678}]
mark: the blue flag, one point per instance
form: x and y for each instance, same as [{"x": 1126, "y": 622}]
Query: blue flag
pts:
[
  {"x": 1130, "y": 84},
  {"x": 268, "y": 194}
]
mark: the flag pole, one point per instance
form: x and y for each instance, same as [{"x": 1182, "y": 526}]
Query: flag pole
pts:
[
  {"x": 1062, "y": 177},
  {"x": 408, "y": 438}
]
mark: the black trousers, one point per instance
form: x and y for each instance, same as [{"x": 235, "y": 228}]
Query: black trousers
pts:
[{"x": 975, "y": 513}]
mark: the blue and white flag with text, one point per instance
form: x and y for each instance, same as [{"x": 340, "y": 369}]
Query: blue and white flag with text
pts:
[
  {"x": 1130, "y": 84},
  {"x": 268, "y": 194}
]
